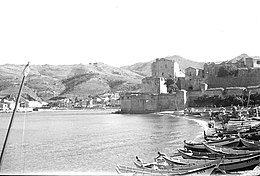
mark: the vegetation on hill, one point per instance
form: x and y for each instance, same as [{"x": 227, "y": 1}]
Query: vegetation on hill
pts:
[
  {"x": 48, "y": 81},
  {"x": 144, "y": 68}
]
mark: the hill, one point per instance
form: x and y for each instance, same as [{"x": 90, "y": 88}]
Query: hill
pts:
[
  {"x": 242, "y": 56},
  {"x": 47, "y": 81},
  {"x": 144, "y": 68}
]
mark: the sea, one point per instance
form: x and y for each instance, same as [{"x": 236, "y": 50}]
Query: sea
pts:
[{"x": 92, "y": 142}]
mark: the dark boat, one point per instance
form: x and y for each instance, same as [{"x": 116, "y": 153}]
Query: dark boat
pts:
[
  {"x": 229, "y": 165},
  {"x": 210, "y": 156},
  {"x": 251, "y": 144},
  {"x": 228, "y": 151},
  {"x": 199, "y": 146}
]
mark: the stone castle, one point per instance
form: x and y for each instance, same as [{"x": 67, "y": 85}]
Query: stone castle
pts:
[{"x": 234, "y": 77}]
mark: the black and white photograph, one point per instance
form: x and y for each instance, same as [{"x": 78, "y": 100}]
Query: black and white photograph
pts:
[{"x": 130, "y": 87}]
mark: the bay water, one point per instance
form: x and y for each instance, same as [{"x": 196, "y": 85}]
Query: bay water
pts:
[{"x": 92, "y": 141}]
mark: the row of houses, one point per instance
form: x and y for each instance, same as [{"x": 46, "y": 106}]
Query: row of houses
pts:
[
  {"x": 23, "y": 105},
  {"x": 7, "y": 103},
  {"x": 104, "y": 100}
]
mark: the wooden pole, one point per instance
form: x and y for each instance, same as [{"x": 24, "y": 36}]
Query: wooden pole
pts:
[
  {"x": 25, "y": 72},
  {"x": 248, "y": 100}
]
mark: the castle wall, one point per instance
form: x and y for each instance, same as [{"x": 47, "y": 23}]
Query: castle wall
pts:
[
  {"x": 193, "y": 95},
  {"x": 153, "y": 85},
  {"x": 191, "y": 84},
  {"x": 235, "y": 91},
  {"x": 147, "y": 103},
  {"x": 242, "y": 81},
  {"x": 253, "y": 89},
  {"x": 214, "y": 91}
]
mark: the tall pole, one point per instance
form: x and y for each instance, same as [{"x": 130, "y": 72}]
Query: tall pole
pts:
[
  {"x": 248, "y": 100},
  {"x": 25, "y": 73}
]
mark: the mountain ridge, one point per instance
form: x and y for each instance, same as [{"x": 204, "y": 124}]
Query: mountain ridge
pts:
[{"x": 80, "y": 80}]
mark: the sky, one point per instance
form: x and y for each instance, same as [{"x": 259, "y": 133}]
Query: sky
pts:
[{"x": 124, "y": 32}]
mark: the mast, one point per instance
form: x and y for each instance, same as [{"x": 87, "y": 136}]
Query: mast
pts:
[
  {"x": 25, "y": 73},
  {"x": 248, "y": 100}
]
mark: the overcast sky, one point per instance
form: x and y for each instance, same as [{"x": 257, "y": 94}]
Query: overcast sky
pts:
[{"x": 124, "y": 32}]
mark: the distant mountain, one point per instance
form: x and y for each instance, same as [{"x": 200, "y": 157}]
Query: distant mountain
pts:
[
  {"x": 242, "y": 56},
  {"x": 144, "y": 68},
  {"x": 47, "y": 81}
]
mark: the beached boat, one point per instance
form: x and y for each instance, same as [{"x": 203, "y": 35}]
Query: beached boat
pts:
[
  {"x": 204, "y": 169},
  {"x": 253, "y": 134},
  {"x": 228, "y": 165},
  {"x": 199, "y": 146},
  {"x": 205, "y": 114},
  {"x": 159, "y": 163},
  {"x": 228, "y": 151},
  {"x": 210, "y": 156},
  {"x": 251, "y": 144}
]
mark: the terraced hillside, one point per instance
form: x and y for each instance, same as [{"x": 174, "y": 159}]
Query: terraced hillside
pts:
[{"x": 47, "y": 81}]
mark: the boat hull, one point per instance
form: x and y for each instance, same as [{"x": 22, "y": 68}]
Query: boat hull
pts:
[
  {"x": 251, "y": 144},
  {"x": 230, "y": 142},
  {"x": 228, "y": 165},
  {"x": 205, "y": 169}
]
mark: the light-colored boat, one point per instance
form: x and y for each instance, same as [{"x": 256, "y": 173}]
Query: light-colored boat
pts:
[{"x": 205, "y": 169}]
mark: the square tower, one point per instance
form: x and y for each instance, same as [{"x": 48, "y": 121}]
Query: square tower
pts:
[{"x": 166, "y": 68}]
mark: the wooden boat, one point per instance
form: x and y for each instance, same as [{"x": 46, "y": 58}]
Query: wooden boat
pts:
[
  {"x": 209, "y": 156},
  {"x": 251, "y": 144},
  {"x": 159, "y": 163},
  {"x": 228, "y": 151},
  {"x": 256, "y": 118},
  {"x": 253, "y": 134},
  {"x": 229, "y": 165},
  {"x": 205, "y": 169},
  {"x": 205, "y": 114},
  {"x": 199, "y": 146}
]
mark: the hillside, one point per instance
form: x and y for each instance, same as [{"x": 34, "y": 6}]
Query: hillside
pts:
[
  {"x": 144, "y": 68},
  {"x": 47, "y": 81},
  {"x": 242, "y": 56}
]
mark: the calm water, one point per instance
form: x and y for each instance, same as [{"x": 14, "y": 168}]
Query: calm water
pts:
[{"x": 90, "y": 141}]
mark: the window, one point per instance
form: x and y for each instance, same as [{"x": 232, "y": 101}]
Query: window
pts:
[
  {"x": 162, "y": 74},
  {"x": 165, "y": 65},
  {"x": 257, "y": 62}
]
